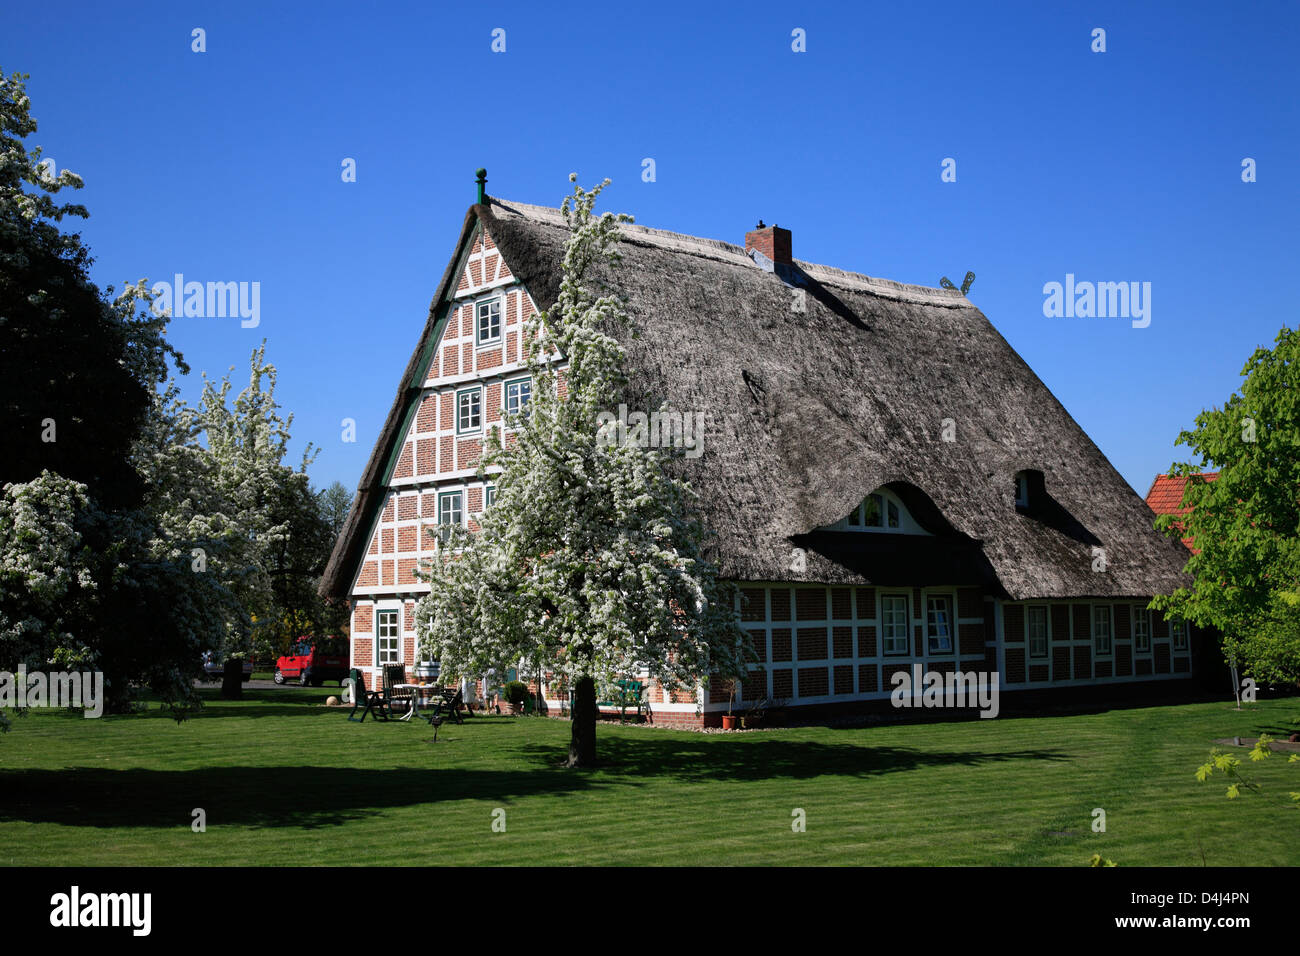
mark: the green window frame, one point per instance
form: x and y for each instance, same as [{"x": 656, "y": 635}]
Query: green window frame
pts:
[
  {"x": 487, "y": 321},
  {"x": 469, "y": 410},
  {"x": 451, "y": 512},
  {"x": 518, "y": 393},
  {"x": 388, "y": 636}
]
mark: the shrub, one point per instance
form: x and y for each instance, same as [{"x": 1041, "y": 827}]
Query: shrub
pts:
[{"x": 517, "y": 692}]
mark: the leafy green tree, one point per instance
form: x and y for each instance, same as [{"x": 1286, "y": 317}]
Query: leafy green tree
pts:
[
  {"x": 1245, "y": 524},
  {"x": 590, "y": 560},
  {"x": 335, "y": 503}
]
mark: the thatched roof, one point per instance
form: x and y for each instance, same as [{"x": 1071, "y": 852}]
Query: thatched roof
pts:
[{"x": 806, "y": 412}]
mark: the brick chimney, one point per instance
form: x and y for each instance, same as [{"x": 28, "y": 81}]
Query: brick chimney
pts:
[{"x": 772, "y": 241}]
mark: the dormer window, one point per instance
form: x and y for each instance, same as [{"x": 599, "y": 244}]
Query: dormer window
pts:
[
  {"x": 1022, "y": 490},
  {"x": 878, "y": 511}
]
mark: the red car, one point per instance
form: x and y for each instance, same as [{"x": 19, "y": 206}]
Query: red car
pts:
[{"x": 312, "y": 661}]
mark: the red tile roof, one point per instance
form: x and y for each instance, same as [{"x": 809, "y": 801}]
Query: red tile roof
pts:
[{"x": 1166, "y": 496}]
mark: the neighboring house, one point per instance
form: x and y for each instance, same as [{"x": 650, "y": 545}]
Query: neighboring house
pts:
[
  {"x": 889, "y": 482},
  {"x": 1165, "y": 497}
]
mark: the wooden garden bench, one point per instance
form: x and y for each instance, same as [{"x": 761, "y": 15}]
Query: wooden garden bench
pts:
[{"x": 629, "y": 694}]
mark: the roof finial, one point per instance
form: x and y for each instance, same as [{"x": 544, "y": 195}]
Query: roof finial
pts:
[{"x": 482, "y": 185}]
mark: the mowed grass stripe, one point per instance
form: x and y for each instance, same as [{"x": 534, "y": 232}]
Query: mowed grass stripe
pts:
[{"x": 286, "y": 781}]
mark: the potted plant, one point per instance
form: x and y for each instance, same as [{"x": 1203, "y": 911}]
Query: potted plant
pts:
[
  {"x": 729, "y": 719},
  {"x": 516, "y": 692}
]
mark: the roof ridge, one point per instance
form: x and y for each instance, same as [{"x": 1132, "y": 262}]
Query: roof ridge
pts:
[{"x": 723, "y": 251}]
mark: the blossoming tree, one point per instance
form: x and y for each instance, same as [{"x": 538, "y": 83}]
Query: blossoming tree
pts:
[{"x": 591, "y": 559}]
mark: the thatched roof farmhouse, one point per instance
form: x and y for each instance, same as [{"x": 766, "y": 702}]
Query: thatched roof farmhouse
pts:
[{"x": 888, "y": 480}]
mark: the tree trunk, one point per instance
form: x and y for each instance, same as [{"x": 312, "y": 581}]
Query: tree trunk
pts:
[
  {"x": 232, "y": 680},
  {"x": 582, "y": 739}
]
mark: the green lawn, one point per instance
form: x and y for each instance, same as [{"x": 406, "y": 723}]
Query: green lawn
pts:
[{"x": 284, "y": 782}]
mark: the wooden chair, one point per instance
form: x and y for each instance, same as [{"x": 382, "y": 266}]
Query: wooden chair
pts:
[
  {"x": 403, "y": 700},
  {"x": 381, "y": 703},
  {"x": 367, "y": 701}
]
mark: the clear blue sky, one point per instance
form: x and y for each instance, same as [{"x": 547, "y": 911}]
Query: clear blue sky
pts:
[{"x": 1115, "y": 166}]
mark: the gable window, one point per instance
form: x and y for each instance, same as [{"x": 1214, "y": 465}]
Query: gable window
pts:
[
  {"x": 1178, "y": 633},
  {"x": 1036, "y": 629},
  {"x": 387, "y": 638},
  {"x": 469, "y": 410},
  {"x": 1141, "y": 630},
  {"x": 449, "y": 513},
  {"x": 893, "y": 624},
  {"x": 487, "y": 322},
  {"x": 938, "y": 625},
  {"x": 1101, "y": 632},
  {"x": 518, "y": 394}
]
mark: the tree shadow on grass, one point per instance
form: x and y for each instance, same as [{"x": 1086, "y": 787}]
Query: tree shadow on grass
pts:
[
  {"x": 763, "y": 757},
  {"x": 300, "y": 797},
  {"x": 309, "y": 797}
]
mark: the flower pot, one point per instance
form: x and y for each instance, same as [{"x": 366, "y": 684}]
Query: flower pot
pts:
[{"x": 729, "y": 721}]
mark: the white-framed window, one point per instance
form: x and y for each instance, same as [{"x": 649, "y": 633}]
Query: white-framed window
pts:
[
  {"x": 1178, "y": 634},
  {"x": 938, "y": 624},
  {"x": 388, "y": 637},
  {"x": 450, "y": 512},
  {"x": 487, "y": 321},
  {"x": 879, "y": 511},
  {"x": 469, "y": 410},
  {"x": 489, "y": 496},
  {"x": 1036, "y": 629},
  {"x": 1101, "y": 630},
  {"x": 518, "y": 394},
  {"x": 1141, "y": 630},
  {"x": 893, "y": 624}
]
